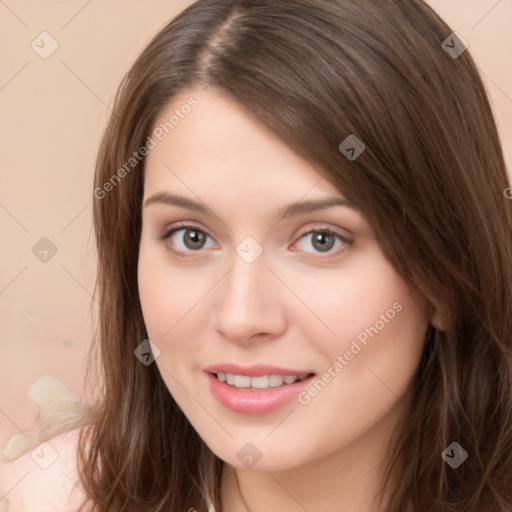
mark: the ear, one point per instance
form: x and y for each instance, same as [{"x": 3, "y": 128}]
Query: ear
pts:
[{"x": 439, "y": 319}]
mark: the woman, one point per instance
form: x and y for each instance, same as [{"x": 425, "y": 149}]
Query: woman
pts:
[{"x": 302, "y": 205}]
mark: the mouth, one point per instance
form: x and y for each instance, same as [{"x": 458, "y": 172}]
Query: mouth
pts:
[{"x": 258, "y": 389}]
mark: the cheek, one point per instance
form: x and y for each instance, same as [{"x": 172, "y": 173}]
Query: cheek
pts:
[
  {"x": 166, "y": 293},
  {"x": 361, "y": 293},
  {"x": 167, "y": 299},
  {"x": 174, "y": 306},
  {"x": 371, "y": 318},
  {"x": 368, "y": 363}
]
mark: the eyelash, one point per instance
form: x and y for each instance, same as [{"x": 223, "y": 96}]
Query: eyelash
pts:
[{"x": 167, "y": 234}]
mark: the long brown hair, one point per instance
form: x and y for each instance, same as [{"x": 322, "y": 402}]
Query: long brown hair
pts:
[{"x": 430, "y": 181}]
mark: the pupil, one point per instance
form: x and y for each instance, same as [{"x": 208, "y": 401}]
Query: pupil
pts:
[
  {"x": 320, "y": 238},
  {"x": 195, "y": 238}
]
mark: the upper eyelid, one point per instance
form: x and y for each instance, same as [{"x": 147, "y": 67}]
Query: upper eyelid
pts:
[
  {"x": 189, "y": 224},
  {"x": 170, "y": 229}
]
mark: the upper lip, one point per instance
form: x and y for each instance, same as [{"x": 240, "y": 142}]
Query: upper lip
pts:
[{"x": 256, "y": 370}]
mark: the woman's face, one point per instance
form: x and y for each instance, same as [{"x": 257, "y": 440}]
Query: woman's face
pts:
[{"x": 267, "y": 286}]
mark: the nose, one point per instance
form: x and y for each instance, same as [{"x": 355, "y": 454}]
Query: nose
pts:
[{"x": 250, "y": 302}]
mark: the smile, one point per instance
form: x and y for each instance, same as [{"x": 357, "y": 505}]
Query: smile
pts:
[{"x": 255, "y": 390}]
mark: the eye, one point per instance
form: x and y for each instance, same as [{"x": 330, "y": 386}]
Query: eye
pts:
[
  {"x": 323, "y": 241},
  {"x": 185, "y": 239}
]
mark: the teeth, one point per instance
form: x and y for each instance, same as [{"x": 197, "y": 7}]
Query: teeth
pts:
[
  {"x": 275, "y": 380},
  {"x": 259, "y": 382},
  {"x": 242, "y": 381},
  {"x": 263, "y": 382}
]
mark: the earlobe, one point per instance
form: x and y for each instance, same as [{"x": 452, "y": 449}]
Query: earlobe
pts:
[{"x": 439, "y": 320}]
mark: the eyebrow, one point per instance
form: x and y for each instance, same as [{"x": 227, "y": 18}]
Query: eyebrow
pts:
[{"x": 292, "y": 210}]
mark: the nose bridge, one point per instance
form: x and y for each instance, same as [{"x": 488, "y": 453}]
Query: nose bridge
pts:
[
  {"x": 246, "y": 305},
  {"x": 245, "y": 283}
]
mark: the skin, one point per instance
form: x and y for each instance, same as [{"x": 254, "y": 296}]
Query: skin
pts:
[{"x": 295, "y": 306}]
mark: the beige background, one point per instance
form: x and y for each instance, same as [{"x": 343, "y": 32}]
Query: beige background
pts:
[{"x": 54, "y": 111}]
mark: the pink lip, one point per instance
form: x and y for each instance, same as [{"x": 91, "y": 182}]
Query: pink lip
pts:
[
  {"x": 256, "y": 370},
  {"x": 254, "y": 402}
]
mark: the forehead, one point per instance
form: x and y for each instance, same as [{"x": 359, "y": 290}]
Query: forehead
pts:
[{"x": 219, "y": 147}]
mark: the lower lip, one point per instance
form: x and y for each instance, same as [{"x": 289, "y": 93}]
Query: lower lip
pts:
[{"x": 255, "y": 402}]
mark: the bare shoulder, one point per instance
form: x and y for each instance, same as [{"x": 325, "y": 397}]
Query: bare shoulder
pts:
[{"x": 45, "y": 478}]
